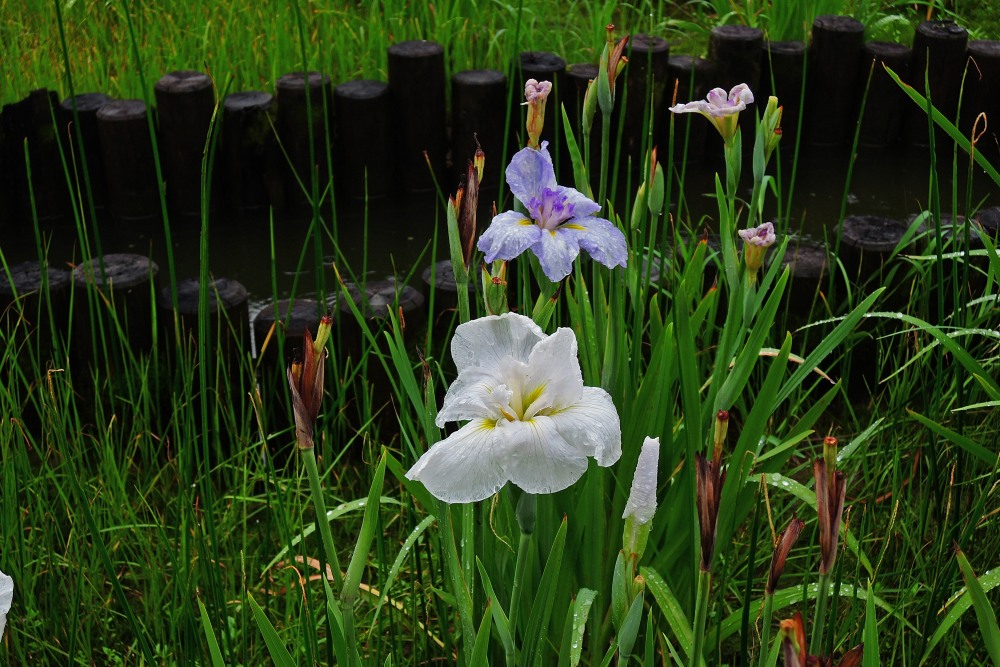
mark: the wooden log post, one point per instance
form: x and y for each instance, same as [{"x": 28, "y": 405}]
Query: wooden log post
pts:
[
  {"x": 578, "y": 78},
  {"x": 690, "y": 79},
  {"x": 881, "y": 121},
  {"x": 736, "y": 52},
  {"x": 34, "y": 301},
  {"x": 113, "y": 291},
  {"x": 228, "y": 315},
  {"x": 782, "y": 68},
  {"x": 128, "y": 160},
  {"x": 545, "y": 66},
  {"x": 305, "y": 108},
  {"x": 29, "y": 122},
  {"x": 478, "y": 104},
  {"x": 832, "y": 96},
  {"x": 279, "y": 330},
  {"x": 645, "y": 80},
  {"x": 251, "y": 159},
  {"x": 87, "y": 105},
  {"x": 939, "y": 52},
  {"x": 364, "y": 144},
  {"x": 185, "y": 103},
  {"x": 417, "y": 92},
  {"x": 982, "y": 96}
]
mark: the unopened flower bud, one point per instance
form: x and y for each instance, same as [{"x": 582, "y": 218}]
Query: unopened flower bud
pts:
[
  {"x": 641, "y": 504},
  {"x": 793, "y": 641},
  {"x": 771, "y": 126},
  {"x": 756, "y": 241},
  {"x": 721, "y": 428},
  {"x": 535, "y": 94},
  {"x": 830, "y": 490},
  {"x": 781, "y": 550},
  {"x": 305, "y": 382},
  {"x": 495, "y": 288},
  {"x": 709, "y": 480}
]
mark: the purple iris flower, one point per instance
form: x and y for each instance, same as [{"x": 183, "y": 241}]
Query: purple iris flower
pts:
[{"x": 560, "y": 221}]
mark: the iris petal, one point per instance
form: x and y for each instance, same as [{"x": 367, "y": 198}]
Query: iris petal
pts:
[
  {"x": 530, "y": 172},
  {"x": 538, "y": 459},
  {"x": 465, "y": 467},
  {"x": 508, "y": 236}
]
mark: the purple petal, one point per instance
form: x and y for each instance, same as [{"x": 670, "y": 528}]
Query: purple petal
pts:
[
  {"x": 717, "y": 97},
  {"x": 740, "y": 95},
  {"x": 508, "y": 236},
  {"x": 530, "y": 172},
  {"x": 600, "y": 238},
  {"x": 556, "y": 251}
]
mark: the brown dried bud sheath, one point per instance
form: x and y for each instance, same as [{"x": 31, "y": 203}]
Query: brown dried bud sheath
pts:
[
  {"x": 830, "y": 507},
  {"x": 781, "y": 550}
]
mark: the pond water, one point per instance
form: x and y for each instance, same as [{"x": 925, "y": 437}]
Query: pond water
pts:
[{"x": 892, "y": 183}]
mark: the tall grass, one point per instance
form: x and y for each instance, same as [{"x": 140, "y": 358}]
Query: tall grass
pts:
[{"x": 145, "y": 520}]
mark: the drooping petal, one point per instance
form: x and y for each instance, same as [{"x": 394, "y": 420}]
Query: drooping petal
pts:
[
  {"x": 556, "y": 251},
  {"x": 538, "y": 458},
  {"x": 465, "y": 467},
  {"x": 592, "y": 424},
  {"x": 530, "y": 172},
  {"x": 740, "y": 96},
  {"x": 487, "y": 341},
  {"x": 510, "y": 234},
  {"x": 698, "y": 106},
  {"x": 554, "y": 377},
  {"x": 6, "y": 599},
  {"x": 475, "y": 393},
  {"x": 601, "y": 239}
]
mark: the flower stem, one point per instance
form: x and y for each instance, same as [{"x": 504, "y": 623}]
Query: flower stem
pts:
[
  {"x": 605, "y": 150},
  {"x": 453, "y": 570},
  {"x": 309, "y": 456},
  {"x": 819, "y": 617},
  {"x": 700, "y": 616},
  {"x": 523, "y": 547},
  {"x": 765, "y": 630}
]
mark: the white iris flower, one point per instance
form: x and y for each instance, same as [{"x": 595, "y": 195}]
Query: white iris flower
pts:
[
  {"x": 532, "y": 422},
  {"x": 6, "y": 598}
]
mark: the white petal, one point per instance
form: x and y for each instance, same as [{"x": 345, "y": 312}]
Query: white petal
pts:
[
  {"x": 475, "y": 394},
  {"x": 6, "y": 598},
  {"x": 642, "y": 498},
  {"x": 539, "y": 459},
  {"x": 465, "y": 467},
  {"x": 554, "y": 378},
  {"x": 593, "y": 425},
  {"x": 486, "y": 341}
]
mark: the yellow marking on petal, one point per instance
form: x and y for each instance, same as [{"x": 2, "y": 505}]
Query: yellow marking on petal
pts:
[
  {"x": 488, "y": 425},
  {"x": 533, "y": 395},
  {"x": 572, "y": 225},
  {"x": 525, "y": 222},
  {"x": 508, "y": 415}
]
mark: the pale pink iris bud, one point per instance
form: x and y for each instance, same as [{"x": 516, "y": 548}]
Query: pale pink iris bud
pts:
[
  {"x": 535, "y": 94},
  {"x": 756, "y": 241}
]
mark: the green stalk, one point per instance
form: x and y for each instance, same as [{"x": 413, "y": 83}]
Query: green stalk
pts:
[
  {"x": 523, "y": 546},
  {"x": 700, "y": 616},
  {"x": 453, "y": 568},
  {"x": 816, "y": 641},
  {"x": 605, "y": 149},
  {"x": 309, "y": 456},
  {"x": 765, "y": 630}
]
